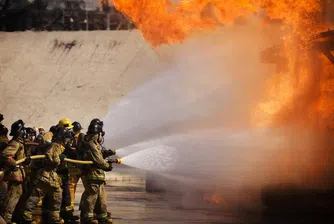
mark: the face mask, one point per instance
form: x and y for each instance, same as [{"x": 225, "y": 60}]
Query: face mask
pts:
[
  {"x": 24, "y": 133},
  {"x": 100, "y": 139},
  {"x": 68, "y": 143}
]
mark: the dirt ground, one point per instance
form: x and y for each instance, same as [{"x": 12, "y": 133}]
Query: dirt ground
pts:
[{"x": 132, "y": 204}]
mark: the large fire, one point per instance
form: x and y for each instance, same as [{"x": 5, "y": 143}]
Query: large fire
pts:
[
  {"x": 214, "y": 198},
  {"x": 302, "y": 94},
  {"x": 167, "y": 21}
]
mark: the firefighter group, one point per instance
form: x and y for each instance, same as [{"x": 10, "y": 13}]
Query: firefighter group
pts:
[{"x": 49, "y": 184}]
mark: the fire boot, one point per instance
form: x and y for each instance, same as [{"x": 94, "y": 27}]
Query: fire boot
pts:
[
  {"x": 106, "y": 220},
  {"x": 89, "y": 221},
  {"x": 69, "y": 217},
  {"x": 29, "y": 222},
  {"x": 45, "y": 217},
  {"x": 58, "y": 221}
]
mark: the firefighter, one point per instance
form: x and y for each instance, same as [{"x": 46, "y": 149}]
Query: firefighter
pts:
[
  {"x": 73, "y": 169},
  {"x": 36, "y": 165},
  {"x": 94, "y": 201},
  {"x": 66, "y": 209},
  {"x": 3, "y": 134},
  {"x": 3, "y": 144},
  {"x": 30, "y": 140},
  {"x": 30, "y": 147},
  {"x": 105, "y": 153},
  {"x": 47, "y": 182},
  {"x": 15, "y": 173},
  {"x": 47, "y": 138},
  {"x": 40, "y": 136}
]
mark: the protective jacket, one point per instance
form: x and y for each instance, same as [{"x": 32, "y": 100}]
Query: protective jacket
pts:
[
  {"x": 92, "y": 152},
  {"x": 48, "y": 137},
  {"x": 75, "y": 153},
  {"x": 52, "y": 160},
  {"x": 14, "y": 151}
]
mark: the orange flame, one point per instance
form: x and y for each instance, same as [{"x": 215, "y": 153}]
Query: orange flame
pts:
[
  {"x": 214, "y": 198},
  {"x": 167, "y": 21},
  {"x": 304, "y": 93}
]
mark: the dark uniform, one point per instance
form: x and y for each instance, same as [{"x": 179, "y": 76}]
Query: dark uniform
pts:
[
  {"x": 35, "y": 166},
  {"x": 3, "y": 144},
  {"x": 14, "y": 174},
  {"x": 30, "y": 147},
  {"x": 94, "y": 200},
  {"x": 47, "y": 182},
  {"x": 74, "y": 170},
  {"x": 3, "y": 138}
]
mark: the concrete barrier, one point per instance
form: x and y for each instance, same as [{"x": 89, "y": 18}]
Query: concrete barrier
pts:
[{"x": 45, "y": 76}]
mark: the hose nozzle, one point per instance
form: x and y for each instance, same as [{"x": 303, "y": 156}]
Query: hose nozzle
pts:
[{"x": 118, "y": 160}]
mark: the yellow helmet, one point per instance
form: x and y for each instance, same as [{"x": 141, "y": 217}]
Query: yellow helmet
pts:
[{"x": 65, "y": 122}]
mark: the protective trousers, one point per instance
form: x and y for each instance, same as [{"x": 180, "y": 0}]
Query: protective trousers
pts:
[
  {"x": 73, "y": 181},
  {"x": 65, "y": 207},
  {"x": 94, "y": 200},
  {"x": 13, "y": 195},
  {"x": 85, "y": 184},
  {"x": 3, "y": 193},
  {"x": 54, "y": 195}
]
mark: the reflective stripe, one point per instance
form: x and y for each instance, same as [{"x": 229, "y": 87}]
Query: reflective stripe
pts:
[
  {"x": 95, "y": 177},
  {"x": 72, "y": 206},
  {"x": 102, "y": 216},
  {"x": 27, "y": 215},
  {"x": 87, "y": 215},
  {"x": 54, "y": 214},
  {"x": 69, "y": 208}
]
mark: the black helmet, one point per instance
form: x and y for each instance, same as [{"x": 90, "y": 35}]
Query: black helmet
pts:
[
  {"x": 53, "y": 129},
  {"x": 95, "y": 128},
  {"x": 3, "y": 130},
  {"x": 17, "y": 129},
  {"x": 97, "y": 121},
  {"x": 1, "y": 117},
  {"x": 31, "y": 132},
  {"x": 63, "y": 133},
  {"x": 76, "y": 126}
]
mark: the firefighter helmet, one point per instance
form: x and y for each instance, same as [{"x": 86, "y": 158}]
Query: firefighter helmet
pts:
[
  {"x": 18, "y": 129},
  {"x": 65, "y": 123},
  {"x": 31, "y": 132},
  {"x": 97, "y": 121},
  {"x": 76, "y": 126},
  {"x": 53, "y": 129}
]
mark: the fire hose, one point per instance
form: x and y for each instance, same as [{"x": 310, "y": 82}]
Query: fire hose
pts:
[{"x": 81, "y": 162}]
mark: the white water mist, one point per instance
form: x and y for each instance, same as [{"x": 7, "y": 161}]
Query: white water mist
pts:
[{"x": 195, "y": 118}]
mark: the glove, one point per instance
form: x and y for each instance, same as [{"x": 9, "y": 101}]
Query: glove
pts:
[
  {"x": 62, "y": 157},
  {"x": 110, "y": 167},
  {"x": 113, "y": 151},
  {"x": 108, "y": 152}
]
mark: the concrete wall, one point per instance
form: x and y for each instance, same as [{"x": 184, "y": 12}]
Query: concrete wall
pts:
[{"x": 45, "y": 76}]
